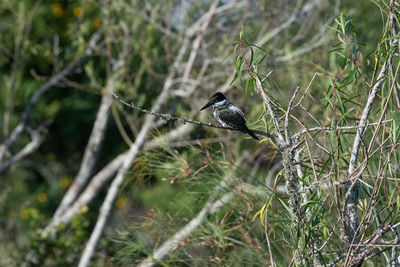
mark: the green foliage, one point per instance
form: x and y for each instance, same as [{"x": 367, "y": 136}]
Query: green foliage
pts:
[
  {"x": 220, "y": 239},
  {"x": 346, "y": 96},
  {"x": 168, "y": 186},
  {"x": 63, "y": 251}
]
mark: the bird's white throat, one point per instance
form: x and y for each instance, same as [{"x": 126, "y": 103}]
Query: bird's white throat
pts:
[{"x": 220, "y": 103}]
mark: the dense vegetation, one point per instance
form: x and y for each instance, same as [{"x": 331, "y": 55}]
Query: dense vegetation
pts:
[{"x": 88, "y": 178}]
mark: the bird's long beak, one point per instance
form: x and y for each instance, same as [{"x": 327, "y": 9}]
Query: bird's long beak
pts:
[{"x": 207, "y": 105}]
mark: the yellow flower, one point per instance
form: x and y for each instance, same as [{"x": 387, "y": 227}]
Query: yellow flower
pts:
[
  {"x": 57, "y": 10},
  {"x": 42, "y": 197},
  {"x": 24, "y": 213},
  {"x": 83, "y": 210},
  {"x": 65, "y": 182},
  {"x": 121, "y": 202},
  {"x": 97, "y": 22},
  {"x": 78, "y": 12}
]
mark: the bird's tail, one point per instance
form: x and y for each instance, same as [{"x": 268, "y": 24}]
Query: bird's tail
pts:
[{"x": 251, "y": 133}]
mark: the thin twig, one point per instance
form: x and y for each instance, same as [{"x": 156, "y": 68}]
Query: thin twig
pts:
[
  {"x": 289, "y": 109},
  {"x": 182, "y": 119},
  {"x": 351, "y": 127}
]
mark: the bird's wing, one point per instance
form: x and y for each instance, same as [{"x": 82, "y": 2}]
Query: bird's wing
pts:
[
  {"x": 233, "y": 119},
  {"x": 237, "y": 110}
]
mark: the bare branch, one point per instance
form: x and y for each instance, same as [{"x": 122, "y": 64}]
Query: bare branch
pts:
[
  {"x": 266, "y": 99},
  {"x": 352, "y": 188},
  {"x": 289, "y": 109},
  {"x": 182, "y": 119},
  {"x": 210, "y": 207},
  {"x": 351, "y": 127},
  {"x": 37, "y": 139},
  {"x": 90, "y": 156},
  {"x": 96, "y": 183}
]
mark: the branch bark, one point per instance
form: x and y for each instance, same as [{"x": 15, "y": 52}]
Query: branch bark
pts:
[
  {"x": 37, "y": 137},
  {"x": 90, "y": 192},
  {"x": 90, "y": 156},
  {"x": 211, "y": 207},
  {"x": 350, "y": 217}
]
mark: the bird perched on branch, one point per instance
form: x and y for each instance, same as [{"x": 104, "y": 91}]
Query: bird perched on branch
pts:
[{"x": 227, "y": 114}]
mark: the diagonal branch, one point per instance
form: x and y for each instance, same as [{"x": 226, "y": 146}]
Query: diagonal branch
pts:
[
  {"x": 32, "y": 146},
  {"x": 90, "y": 155},
  {"x": 352, "y": 187},
  {"x": 90, "y": 192},
  {"x": 211, "y": 206}
]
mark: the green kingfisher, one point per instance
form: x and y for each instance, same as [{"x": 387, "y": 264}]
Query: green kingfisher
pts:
[{"x": 227, "y": 114}]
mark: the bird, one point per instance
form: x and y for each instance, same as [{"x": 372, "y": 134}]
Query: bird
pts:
[{"x": 227, "y": 114}]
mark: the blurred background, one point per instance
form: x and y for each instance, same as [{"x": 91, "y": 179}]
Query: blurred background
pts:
[{"x": 64, "y": 138}]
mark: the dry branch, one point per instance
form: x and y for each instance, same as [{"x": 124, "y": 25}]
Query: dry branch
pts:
[
  {"x": 210, "y": 207},
  {"x": 90, "y": 192},
  {"x": 213, "y": 205},
  {"x": 89, "y": 158},
  {"x": 135, "y": 148},
  {"x": 168, "y": 117},
  {"x": 352, "y": 187},
  {"x": 37, "y": 137}
]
